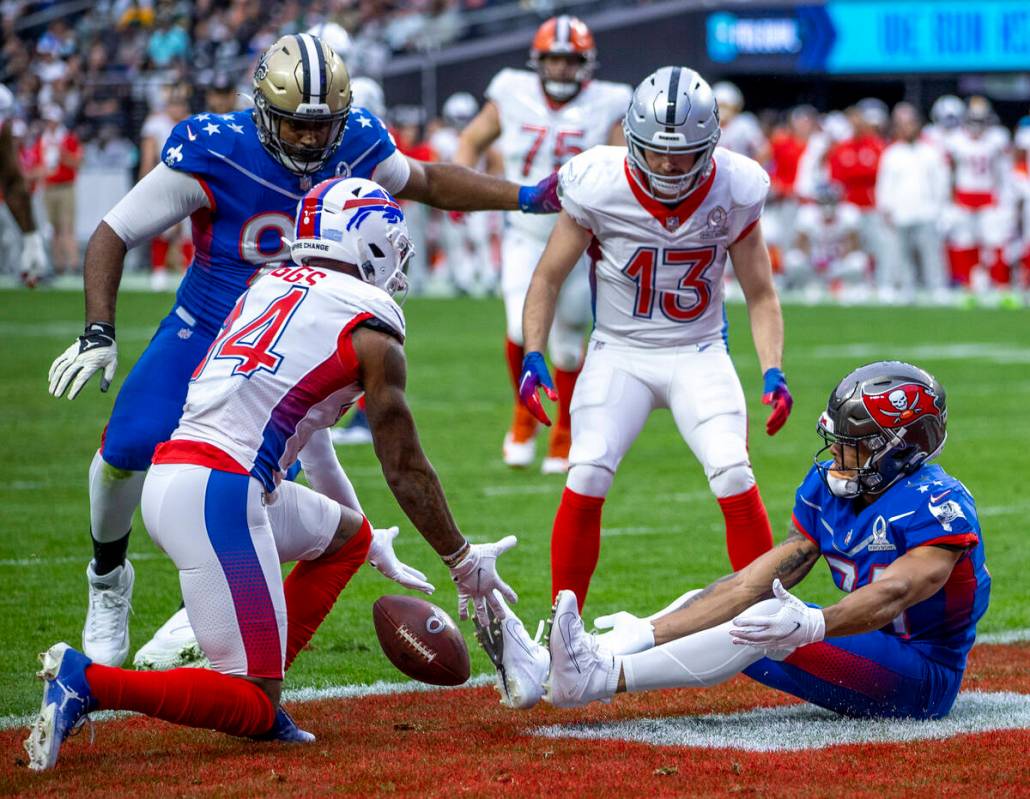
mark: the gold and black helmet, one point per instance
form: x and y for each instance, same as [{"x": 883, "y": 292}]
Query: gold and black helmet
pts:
[{"x": 300, "y": 81}]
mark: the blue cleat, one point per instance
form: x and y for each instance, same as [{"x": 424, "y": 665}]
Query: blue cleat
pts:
[
  {"x": 67, "y": 701},
  {"x": 285, "y": 729}
]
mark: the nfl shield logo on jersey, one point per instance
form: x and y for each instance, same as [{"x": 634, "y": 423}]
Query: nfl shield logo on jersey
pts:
[{"x": 672, "y": 222}]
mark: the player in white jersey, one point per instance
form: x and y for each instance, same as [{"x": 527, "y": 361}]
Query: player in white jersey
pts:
[
  {"x": 16, "y": 195},
  {"x": 540, "y": 120},
  {"x": 301, "y": 345},
  {"x": 945, "y": 120},
  {"x": 465, "y": 238},
  {"x": 666, "y": 211},
  {"x": 741, "y": 132},
  {"x": 983, "y": 222}
]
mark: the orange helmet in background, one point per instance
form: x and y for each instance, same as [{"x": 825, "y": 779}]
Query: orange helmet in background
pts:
[{"x": 564, "y": 36}]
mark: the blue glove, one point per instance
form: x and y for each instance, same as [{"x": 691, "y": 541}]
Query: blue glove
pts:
[
  {"x": 776, "y": 394},
  {"x": 535, "y": 376},
  {"x": 541, "y": 198}
]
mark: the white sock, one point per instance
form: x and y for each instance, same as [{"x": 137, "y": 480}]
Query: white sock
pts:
[
  {"x": 114, "y": 495},
  {"x": 700, "y": 660}
]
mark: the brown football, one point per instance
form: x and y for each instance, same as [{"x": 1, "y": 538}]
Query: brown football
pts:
[{"x": 421, "y": 640}]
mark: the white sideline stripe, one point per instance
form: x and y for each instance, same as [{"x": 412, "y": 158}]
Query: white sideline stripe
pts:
[
  {"x": 794, "y": 727},
  {"x": 297, "y": 695},
  {"x": 83, "y": 559},
  {"x": 1004, "y": 637},
  {"x": 995, "y": 353},
  {"x": 509, "y": 490}
]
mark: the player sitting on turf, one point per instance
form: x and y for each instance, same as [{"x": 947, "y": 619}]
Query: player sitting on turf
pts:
[
  {"x": 298, "y": 349},
  {"x": 900, "y": 536}
]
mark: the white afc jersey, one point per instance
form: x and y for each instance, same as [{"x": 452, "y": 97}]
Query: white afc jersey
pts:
[
  {"x": 281, "y": 368},
  {"x": 981, "y": 167},
  {"x": 538, "y": 137},
  {"x": 659, "y": 281}
]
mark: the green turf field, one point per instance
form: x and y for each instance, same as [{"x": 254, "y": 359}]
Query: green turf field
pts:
[{"x": 663, "y": 530}]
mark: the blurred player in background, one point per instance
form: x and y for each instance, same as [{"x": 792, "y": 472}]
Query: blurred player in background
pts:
[
  {"x": 16, "y": 196},
  {"x": 539, "y": 120},
  {"x": 298, "y": 348},
  {"x": 238, "y": 178},
  {"x": 1021, "y": 181},
  {"x": 220, "y": 95},
  {"x": 826, "y": 259},
  {"x": 912, "y": 190},
  {"x": 946, "y": 115},
  {"x": 157, "y": 127},
  {"x": 983, "y": 214},
  {"x": 741, "y": 132},
  {"x": 666, "y": 211},
  {"x": 465, "y": 238},
  {"x": 902, "y": 540}
]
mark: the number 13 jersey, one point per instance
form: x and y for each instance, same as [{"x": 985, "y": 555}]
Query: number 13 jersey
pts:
[
  {"x": 537, "y": 137},
  {"x": 659, "y": 281}
]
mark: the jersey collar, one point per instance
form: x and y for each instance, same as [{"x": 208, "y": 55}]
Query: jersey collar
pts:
[{"x": 671, "y": 218}]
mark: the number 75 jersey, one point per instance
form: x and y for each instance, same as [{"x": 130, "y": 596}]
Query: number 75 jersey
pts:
[{"x": 659, "y": 280}]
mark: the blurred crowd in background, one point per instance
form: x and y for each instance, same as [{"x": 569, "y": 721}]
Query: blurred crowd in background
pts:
[{"x": 868, "y": 203}]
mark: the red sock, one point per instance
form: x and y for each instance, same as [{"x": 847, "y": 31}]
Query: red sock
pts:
[
  {"x": 188, "y": 251},
  {"x": 192, "y": 697},
  {"x": 962, "y": 262},
  {"x": 565, "y": 382},
  {"x": 514, "y": 353},
  {"x": 159, "y": 253},
  {"x": 999, "y": 268},
  {"x": 748, "y": 532},
  {"x": 313, "y": 586},
  {"x": 575, "y": 543}
]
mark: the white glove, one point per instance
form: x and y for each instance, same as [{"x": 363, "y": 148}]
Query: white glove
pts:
[
  {"x": 382, "y": 558},
  {"x": 475, "y": 576},
  {"x": 33, "y": 257},
  {"x": 627, "y": 634},
  {"x": 95, "y": 350},
  {"x": 793, "y": 625}
]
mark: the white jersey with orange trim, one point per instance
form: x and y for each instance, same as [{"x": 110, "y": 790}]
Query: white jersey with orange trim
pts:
[
  {"x": 659, "y": 281},
  {"x": 537, "y": 137},
  {"x": 982, "y": 167},
  {"x": 282, "y": 367}
]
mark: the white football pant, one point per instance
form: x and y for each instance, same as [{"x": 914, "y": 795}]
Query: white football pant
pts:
[
  {"x": 228, "y": 545},
  {"x": 619, "y": 387}
]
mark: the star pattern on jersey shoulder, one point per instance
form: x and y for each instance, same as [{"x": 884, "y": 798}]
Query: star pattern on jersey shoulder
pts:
[
  {"x": 202, "y": 117},
  {"x": 364, "y": 121},
  {"x": 235, "y": 128},
  {"x": 923, "y": 489},
  {"x": 211, "y": 128}
]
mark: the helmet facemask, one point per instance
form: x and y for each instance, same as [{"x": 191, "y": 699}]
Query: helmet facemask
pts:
[
  {"x": 558, "y": 89},
  {"x": 668, "y": 188},
  {"x": 297, "y": 158}
]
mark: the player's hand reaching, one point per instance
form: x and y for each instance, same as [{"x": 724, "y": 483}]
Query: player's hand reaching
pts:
[
  {"x": 95, "y": 350},
  {"x": 793, "y": 625},
  {"x": 541, "y": 198},
  {"x": 627, "y": 634},
  {"x": 475, "y": 576},
  {"x": 536, "y": 376},
  {"x": 383, "y": 559},
  {"x": 776, "y": 394}
]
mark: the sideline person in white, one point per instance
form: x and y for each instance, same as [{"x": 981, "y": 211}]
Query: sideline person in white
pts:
[
  {"x": 540, "y": 120},
  {"x": 666, "y": 211}
]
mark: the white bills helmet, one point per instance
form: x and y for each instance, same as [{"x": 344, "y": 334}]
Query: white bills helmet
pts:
[
  {"x": 367, "y": 94},
  {"x": 358, "y": 222},
  {"x": 673, "y": 110}
]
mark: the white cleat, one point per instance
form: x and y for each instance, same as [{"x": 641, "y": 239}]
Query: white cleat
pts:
[
  {"x": 551, "y": 465},
  {"x": 105, "y": 637},
  {"x": 520, "y": 661},
  {"x": 518, "y": 454},
  {"x": 173, "y": 646},
  {"x": 581, "y": 670}
]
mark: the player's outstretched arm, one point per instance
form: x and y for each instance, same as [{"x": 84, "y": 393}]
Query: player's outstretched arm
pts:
[
  {"x": 915, "y": 576},
  {"x": 478, "y": 135},
  {"x": 12, "y": 183},
  {"x": 788, "y": 562}
]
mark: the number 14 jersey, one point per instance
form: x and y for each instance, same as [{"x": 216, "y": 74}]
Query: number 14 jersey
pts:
[{"x": 659, "y": 281}]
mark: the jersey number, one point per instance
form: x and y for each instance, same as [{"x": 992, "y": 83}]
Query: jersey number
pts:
[
  {"x": 252, "y": 344},
  {"x": 565, "y": 145},
  {"x": 642, "y": 269}
]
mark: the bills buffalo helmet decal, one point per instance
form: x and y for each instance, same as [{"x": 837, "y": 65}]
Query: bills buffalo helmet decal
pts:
[{"x": 902, "y": 405}]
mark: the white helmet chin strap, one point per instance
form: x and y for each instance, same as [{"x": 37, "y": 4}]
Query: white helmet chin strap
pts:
[
  {"x": 842, "y": 487},
  {"x": 561, "y": 89}
]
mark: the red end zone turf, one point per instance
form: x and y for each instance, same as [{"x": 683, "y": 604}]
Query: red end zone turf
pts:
[{"x": 462, "y": 742}]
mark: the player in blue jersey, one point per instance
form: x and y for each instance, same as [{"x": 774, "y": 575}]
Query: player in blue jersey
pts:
[
  {"x": 901, "y": 538},
  {"x": 238, "y": 178}
]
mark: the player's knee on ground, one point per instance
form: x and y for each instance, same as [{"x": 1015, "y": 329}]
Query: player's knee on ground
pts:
[
  {"x": 728, "y": 468},
  {"x": 590, "y": 480}
]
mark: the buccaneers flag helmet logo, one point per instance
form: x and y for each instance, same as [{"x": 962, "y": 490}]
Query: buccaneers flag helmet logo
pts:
[{"x": 902, "y": 405}]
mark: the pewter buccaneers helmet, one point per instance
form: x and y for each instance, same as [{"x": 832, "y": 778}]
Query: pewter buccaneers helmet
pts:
[
  {"x": 673, "y": 111},
  {"x": 301, "y": 80},
  {"x": 358, "y": 222},
  {"x": 897, "y": 411}
]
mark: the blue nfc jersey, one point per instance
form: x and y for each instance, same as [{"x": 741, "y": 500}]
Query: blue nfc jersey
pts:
[
  {"x": 930, "y": 507},
  {"x": 252, "y": 199}
]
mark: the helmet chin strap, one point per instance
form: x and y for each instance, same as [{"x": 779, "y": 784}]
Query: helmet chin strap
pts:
[{"x": 842, "y": 487}]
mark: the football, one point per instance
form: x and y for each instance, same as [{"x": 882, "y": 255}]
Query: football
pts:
[{"x": 421, "y": 640}]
